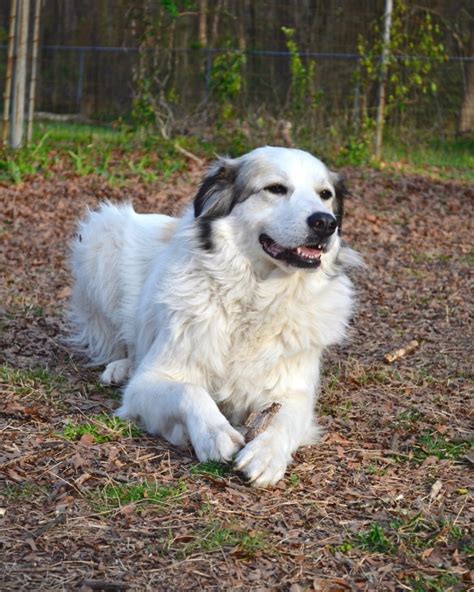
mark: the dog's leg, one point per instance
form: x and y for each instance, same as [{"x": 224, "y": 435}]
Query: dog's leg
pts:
[
  {"x": 161, "y": 404},
  {"x": 264, "y": 459},
  {"x": 116, "y": 372}
]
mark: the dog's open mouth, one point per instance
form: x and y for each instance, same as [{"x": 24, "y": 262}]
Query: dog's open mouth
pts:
[{"x": 302, "y": 256}]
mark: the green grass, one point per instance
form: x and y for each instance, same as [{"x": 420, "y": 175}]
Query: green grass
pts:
[
  {"x": 407, "y": 535},
  {"x": 216, "y": 537},
  {"x": 118, "y": 154},
  {"x": 122, "y": 153},
  {"x": 293, "y": 480},
  {"x": 31, "y": 381},
  {"x": 374, "y": 540},
  {"x": 103, "y": 428},
  {"x": 115, "y": 496},
  {"x": 450, "y": 157},
  {"x": 432, "y": 444},
  {"x": 407, "y": 419},
  {"x": 442, "y": 583},
  {"x": 211, "y": 467}
]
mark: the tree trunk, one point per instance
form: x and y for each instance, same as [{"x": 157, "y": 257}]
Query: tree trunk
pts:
[{"x": 466, "y": 116}]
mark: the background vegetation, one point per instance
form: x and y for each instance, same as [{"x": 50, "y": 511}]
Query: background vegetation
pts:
[{"x": 242, "y": 73}]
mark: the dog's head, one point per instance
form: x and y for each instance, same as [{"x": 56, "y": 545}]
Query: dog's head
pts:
[{"x": 283, "y": 204}]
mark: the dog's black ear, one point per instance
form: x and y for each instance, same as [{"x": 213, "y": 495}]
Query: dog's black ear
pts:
[
  {"x": 341, "y": 193},
  {"x": 215, "y": 197}
]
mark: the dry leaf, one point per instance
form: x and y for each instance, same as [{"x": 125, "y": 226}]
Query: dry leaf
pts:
[
  {"x": 435, "y": 489},
  {"x": 87, "y": 440}
]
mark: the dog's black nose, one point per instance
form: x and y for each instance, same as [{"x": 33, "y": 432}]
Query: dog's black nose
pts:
[{"x": 322, "y": 223}]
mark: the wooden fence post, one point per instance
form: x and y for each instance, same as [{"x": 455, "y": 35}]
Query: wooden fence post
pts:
[
  {"x": 8, "y": 75},
  {"x": 383, "y": 78},
  {"x": 34, "y": 67},
  {"x": 18, "y": 102}
]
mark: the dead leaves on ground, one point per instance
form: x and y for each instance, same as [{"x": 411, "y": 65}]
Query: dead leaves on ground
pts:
[{"x": 382, "y": 503}]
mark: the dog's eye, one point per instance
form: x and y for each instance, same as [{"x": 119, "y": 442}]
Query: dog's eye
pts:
[
  {"x": 325, "y": 194},
  {"x": 277, "y": 189}
]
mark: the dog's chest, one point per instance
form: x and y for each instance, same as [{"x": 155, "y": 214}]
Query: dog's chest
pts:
[{"x": 263, "y": 336}]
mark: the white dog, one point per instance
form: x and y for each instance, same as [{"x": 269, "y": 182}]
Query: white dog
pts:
[{"x": 223, "y": 311}]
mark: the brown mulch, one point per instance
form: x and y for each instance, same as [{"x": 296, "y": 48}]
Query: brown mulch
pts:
[{"x": 374, "y": 506}]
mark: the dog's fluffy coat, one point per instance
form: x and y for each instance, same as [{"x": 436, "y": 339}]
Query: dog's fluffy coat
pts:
[{"x": 221, "y": 312}]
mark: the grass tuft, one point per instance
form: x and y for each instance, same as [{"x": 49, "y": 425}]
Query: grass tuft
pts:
[
  {"x": 116, "y": 496},
  {"x": 445, "y": 582},
  {"x": 211, "y": 467},
  {"x": 216, "y": 537},
  {"x": 374, "y": 539},
  {"x": 432, "y": 444},
  {"x": 409, "y": 536},
  {"x": 103, "y": 428}
]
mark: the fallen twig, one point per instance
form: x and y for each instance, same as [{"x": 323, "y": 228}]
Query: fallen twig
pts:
[
  {"x": 402, "y": 352},
  {"x": 257, "y": 423},
  {"x": 105, "y": 585}
]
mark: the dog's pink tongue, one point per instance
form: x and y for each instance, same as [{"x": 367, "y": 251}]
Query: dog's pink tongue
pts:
[{"x": 308, "y": 251}]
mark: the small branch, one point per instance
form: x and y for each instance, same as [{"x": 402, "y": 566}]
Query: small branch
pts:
[
  {"x": 257, "y": 423},
  {"x": 401, "y": 353},
  {"x": 188, "y": 154},
  {"x": 107, "y": 586}
]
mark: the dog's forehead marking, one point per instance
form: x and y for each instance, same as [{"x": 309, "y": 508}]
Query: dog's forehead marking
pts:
[{"x": 298, "y": 166}]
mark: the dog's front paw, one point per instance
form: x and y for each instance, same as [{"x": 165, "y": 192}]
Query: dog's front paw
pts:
[
  {"x": 116, "y": 372},
  {"x": 216, "y": 441},
  {"x": 262, "y": 461}
]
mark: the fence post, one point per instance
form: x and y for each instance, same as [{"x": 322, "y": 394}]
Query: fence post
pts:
[
  {"x": 356, "y": 104},
  {"x": 8, "y": 75},
  {"x": 34, "y": 67},
  {"x": 208, "y": 74},
  {"x": 80, "y": 80},
  {"x": 18, "y": 103},
  {"x": 383, "y": 78}
]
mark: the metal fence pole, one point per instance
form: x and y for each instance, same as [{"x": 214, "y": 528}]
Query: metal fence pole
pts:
[{"x": 80, "y": 80}]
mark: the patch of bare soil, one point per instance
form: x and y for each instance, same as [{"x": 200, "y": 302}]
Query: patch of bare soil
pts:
[{"x": 382, "y": 503}]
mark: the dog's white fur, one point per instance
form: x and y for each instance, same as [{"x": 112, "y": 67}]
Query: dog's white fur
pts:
[{"x": 207, "y": 335}]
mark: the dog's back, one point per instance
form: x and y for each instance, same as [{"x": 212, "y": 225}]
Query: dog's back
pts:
[{"x": 110, "y": 259}]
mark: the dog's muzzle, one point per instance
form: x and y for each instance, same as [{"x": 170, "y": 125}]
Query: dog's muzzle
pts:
[{"x": 306, "y": 256}]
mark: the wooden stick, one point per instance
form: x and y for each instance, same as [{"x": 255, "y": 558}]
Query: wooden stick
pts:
[
  {"x": 9, "y": 73},
  {"x": 402, "y": 352},
  {"x": 19, "y": 73},
  {"x": 257, "y": 423},
  {"x": 105, "y": 585},
  {"x": 34, "y": 67},
  {"x": 188, "y": 154}
]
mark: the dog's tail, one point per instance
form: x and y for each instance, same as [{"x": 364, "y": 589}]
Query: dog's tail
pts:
[{"x": 95, "y": 260}]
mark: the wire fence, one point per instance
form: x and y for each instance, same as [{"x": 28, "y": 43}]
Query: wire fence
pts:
[{"x": 98, "y": 84}]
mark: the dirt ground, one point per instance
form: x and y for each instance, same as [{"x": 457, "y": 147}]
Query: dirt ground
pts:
[{"x": 382, "y": 503}]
